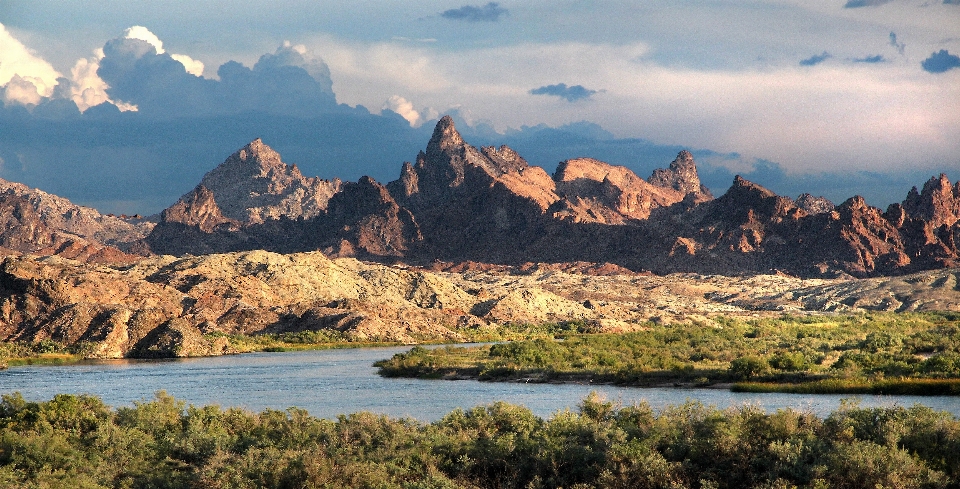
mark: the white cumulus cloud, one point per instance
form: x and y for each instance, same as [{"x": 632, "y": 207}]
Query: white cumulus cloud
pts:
[
  {"x": 194, "y": 67},
  {"x": 88, "y": 89},
  {"x": 405, "y": 108},
  {"x": 27, "y": 76}
]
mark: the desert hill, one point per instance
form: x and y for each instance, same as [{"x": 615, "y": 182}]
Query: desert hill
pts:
[{"x": 166, "y": 306}]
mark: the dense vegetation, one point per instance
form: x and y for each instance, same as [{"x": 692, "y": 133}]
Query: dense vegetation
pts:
[
  {"x": 890, "y": 353},
  {"x": 78, "y": 442}
]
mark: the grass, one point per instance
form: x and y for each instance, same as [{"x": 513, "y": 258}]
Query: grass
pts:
[
  {"x": 910, "y": 353},
  {"x": 901, "y": 387}
]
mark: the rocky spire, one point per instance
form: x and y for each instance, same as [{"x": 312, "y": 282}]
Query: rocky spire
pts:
[
  {"x": 447, "y": 158},
  {"x": 445, "y": 137},
  {"x": 681, "y": 175},
  {"x": 938, "y": 202}
]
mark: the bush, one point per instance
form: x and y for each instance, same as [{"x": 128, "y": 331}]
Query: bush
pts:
[{"x": 745, "y": 368}]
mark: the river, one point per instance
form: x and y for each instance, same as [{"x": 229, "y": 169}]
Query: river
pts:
[{"x": 331, "y": 382}]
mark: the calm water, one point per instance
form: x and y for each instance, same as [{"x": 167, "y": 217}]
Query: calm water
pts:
[{"x": 331, "y": 382}]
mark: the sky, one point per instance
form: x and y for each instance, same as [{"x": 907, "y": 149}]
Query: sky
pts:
[{"x": 125, "y": 105}]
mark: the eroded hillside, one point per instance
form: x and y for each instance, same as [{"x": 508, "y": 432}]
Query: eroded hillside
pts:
[{"x": 167, "y": 306}]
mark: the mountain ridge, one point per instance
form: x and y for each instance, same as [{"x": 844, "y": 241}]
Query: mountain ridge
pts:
[
  {"x": 460, "y": 203},
  {"x": 457, "y": 202}
]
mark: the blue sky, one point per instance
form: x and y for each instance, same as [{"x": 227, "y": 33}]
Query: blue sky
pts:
[{"x": 861, "y": 92}]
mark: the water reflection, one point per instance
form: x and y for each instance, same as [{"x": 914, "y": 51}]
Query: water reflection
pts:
[{"x": 331, "y": 382}]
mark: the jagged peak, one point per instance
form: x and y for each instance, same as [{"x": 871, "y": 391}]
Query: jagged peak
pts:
[
  {"x": 856, "y": 202},
  {"x": 445, "y": 136},
  {"x": 255, "y": 157},
  {"x": 743, "y": 186},
  {"x": 684, "y": 158},
  {"x": 681, "y": 175},
  {"x": 937, "y": 184}
]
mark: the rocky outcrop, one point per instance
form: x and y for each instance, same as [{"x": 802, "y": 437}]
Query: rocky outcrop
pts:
[
  {"x": 27, "y": 226},
  {"x": 175, "y": 307},
  {"x": 594, "y": 191},
  {"x": 253, "y": 185},
  {"x": 681, "y": 176}
]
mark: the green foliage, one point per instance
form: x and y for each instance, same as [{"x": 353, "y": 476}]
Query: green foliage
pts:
[
  {"x": 862, "y": 350},
  {"x": 76, "y": 441},
  {"x": 748, "y": 367}
]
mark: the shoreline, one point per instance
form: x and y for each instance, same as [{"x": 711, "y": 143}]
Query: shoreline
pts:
[{"x": 828, "y": 386}]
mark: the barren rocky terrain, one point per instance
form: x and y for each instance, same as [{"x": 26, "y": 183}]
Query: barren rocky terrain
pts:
[{"x": 168, "y": 306}]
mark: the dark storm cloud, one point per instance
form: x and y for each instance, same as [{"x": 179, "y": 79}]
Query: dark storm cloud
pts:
[
  {"x": 815, "y": 59},
  {"x": 870, "y": 59},
  {"x": 280, "y": 83},
  {"x": 865, "y": 3},
  {"x": 490, "y": 12},
  {"x": 899, "y": 45},
  {"x": 941, "y": 61},
  {"x": 571, "y": 94}
]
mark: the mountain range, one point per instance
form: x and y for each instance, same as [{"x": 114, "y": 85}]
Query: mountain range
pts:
[
  {"x": 457, "y": 203},
  {"x": 464, "y": 238},
  {"x": 460, "y": 203}
]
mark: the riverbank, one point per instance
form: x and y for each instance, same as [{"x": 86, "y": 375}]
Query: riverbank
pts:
[{"x": 915, "y": 354}]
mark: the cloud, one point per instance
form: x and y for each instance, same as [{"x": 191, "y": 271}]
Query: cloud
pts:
[
  {"x": 287, "y": 81},
  {"x": 815, "y": 59},
  {"x": 22, "y": 91},
  {"x": 27, "y": 77},
  {"x": 870, "y": 59},
  {"x": 490, "y": 12},
  {"x": 899, "y": 45},
  {"x": 192, "y": 66},
  {"x": 865, "y": 3},
  {"x": 405, "y": 108},
  {"x": 941, "y": 61},
  {"x": 572, "y": 94}
]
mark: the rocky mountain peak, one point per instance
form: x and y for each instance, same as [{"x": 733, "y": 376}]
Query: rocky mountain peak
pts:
[
  {"x": 445, "y": 136},
  {"x": 681, "y": 175},
  {"x": 746, "y": 200},
  {"x": 254, "y": 185},
  {"x": 198, "y": 208},
  {"x": 938, "y": 202},
  {"x": 814, "y": 205},
  {"x": 256, "y": 158},
  {"x": 448, "y": 162}
]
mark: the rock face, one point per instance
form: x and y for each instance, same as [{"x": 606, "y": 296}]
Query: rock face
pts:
[
  {"x": 169, "y": 307},
  {"x": 32, "y": 221},
  {"x": 461, "y": 203},
  {"x": 681, "y": 176},
  {"x": 253, "y": 185}
]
